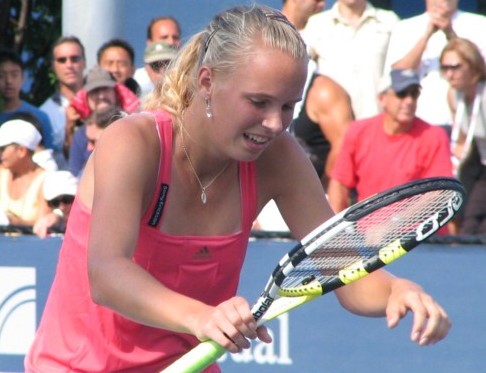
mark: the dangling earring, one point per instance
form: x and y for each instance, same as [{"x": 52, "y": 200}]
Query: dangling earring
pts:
[{"x": 209, "y": 113}]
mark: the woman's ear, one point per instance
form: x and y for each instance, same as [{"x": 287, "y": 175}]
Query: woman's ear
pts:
[{"x": 205, "y": 81}]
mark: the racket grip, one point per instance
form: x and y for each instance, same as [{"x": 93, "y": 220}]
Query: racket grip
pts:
[{"x": 197, "y": 359}]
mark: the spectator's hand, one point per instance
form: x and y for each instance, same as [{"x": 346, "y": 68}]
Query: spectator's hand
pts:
[
  {"x": 230, "y": 324},
  {"x": 13, "y": 219},
  {"x": 71, "y": 117},
  {"x": 43, "y": 224},
  {"x": 430, "y": 324},
  {"x": 441, "y": 18}
]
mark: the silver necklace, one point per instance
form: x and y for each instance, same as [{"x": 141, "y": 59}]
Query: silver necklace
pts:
[{"x": 204, "y": 197}]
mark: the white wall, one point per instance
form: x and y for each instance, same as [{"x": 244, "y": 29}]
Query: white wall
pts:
[{"x": 93, "y": 22}]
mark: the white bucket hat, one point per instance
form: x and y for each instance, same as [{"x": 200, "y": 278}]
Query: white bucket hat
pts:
[{"x": 21, "y": 132}]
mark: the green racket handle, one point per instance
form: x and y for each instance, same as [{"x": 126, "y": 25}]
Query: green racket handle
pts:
[{"x": 199, "y": 358}]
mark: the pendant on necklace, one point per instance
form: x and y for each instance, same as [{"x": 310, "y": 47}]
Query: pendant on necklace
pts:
[{"x": 204, "y": 198}]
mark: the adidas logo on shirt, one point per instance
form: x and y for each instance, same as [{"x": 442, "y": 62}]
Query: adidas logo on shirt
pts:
[{"x": 202, "y": 253}]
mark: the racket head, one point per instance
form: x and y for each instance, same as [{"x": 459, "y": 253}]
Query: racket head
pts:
[{"x": 358, "y": 241}]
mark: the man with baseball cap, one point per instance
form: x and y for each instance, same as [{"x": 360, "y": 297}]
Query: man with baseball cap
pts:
[
  {"x": 157, "y": 56},
  {"x": 162, "y": 28},
  {"x": 21, "y": 179},
  {"x": 391, "y": 148},
  {"x": 101, "y": 91},
  {"x": 400, "y": 80}
]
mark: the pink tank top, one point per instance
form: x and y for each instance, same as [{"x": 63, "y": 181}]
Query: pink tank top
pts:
[{"x": 76, "y": 335}]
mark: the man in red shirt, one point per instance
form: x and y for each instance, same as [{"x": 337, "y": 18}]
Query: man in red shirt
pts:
[{"x": 391, "y": 148}]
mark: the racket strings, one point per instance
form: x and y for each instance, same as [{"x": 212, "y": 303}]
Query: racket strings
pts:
[{"x": 363, "y": 239}]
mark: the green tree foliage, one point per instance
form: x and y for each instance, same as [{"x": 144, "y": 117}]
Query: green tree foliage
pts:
[{"x": 30, "y": 27}]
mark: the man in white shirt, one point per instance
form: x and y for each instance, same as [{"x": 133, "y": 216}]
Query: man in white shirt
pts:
[
  {"x": 349, "y": 43},
  {"x": 417, "y": 42},
  {"x": 68, "y": 64}
]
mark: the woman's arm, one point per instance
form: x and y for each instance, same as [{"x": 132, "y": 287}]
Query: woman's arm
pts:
[
  {"x": 381, "y": 294},
  {"x": 303, "y": 205}
]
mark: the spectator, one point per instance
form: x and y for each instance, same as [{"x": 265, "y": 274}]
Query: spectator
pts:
[
  {"x": 464, "y": 68},
  {"x": 68, "y": 65},
  {"x": 97, "y": 122},
  {"x": 391, "y": 148},
  {"x": 164, "y": 29},
  {"x": 42, "y": 156},
  {"x": 94, "y": 126},
  {"x": 349, "y": 43},
  {"x": 58, "y": 190},
  {"x": 118, "y": 57},
  {"x": 299, "y": 11},
  {"x": 11, "y": 80},
  {"x": 21, "y": 178},
  {"x": 100, "y": 92},
  {"x": 157, "y": 56},
  {"x": 417, "y": 43},
  {"x": 322, "y": 123}
]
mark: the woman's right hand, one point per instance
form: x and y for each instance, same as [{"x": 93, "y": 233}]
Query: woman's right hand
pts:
[{"x": 230, "y": 324}]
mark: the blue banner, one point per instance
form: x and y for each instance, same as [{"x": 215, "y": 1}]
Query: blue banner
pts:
[{"x": 319, "y": 337}]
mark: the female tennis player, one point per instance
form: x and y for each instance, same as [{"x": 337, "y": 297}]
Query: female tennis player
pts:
[{"x": 157, "y": 234}]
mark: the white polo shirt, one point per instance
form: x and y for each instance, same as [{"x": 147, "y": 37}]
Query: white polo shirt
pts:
[{"x": 353, "y": 57}]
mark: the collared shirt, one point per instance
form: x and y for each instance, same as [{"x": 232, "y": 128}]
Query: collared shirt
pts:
[
  {"x": 143, "y": 80},
  {"x": 55, "y": 108},
  {"x": 352, "y": 56},
  {"x": 432, "y": 104}
]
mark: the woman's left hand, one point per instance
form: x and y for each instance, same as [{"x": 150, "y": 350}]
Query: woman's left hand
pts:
[{"x": 430, "y": 323}]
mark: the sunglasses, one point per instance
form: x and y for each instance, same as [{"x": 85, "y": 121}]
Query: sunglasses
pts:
[
  {"x": 73, "y": 59},
  {"x": 412, "y": 92},
  {"x": 454, "y": 67},
  {"x": 158, "y": 66},
  {"x": 56, "y": 202}
]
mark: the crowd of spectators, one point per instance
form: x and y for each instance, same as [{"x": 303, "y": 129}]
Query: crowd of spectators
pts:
[
  {"x": 43, "y": 149},
  {"x": 408, "y": 92}
]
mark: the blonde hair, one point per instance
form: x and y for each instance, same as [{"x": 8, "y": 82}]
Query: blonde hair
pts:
[
  {"x": 224, "y": 43},
  {"x": 470, "y": 54}
]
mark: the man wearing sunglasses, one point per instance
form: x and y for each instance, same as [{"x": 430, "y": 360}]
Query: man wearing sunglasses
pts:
[
  {"x": 391, "y": 148},
  {"x": 157, "y": 57},
  {"x": 165, "y": 29},
  {"x": 68, "y": 65}
]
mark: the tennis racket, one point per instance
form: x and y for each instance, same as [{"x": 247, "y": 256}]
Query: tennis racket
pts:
[{"x": 347, "y": 247}]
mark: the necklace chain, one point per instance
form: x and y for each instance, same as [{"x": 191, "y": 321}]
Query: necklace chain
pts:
[{"x": 204, "y": 197}]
